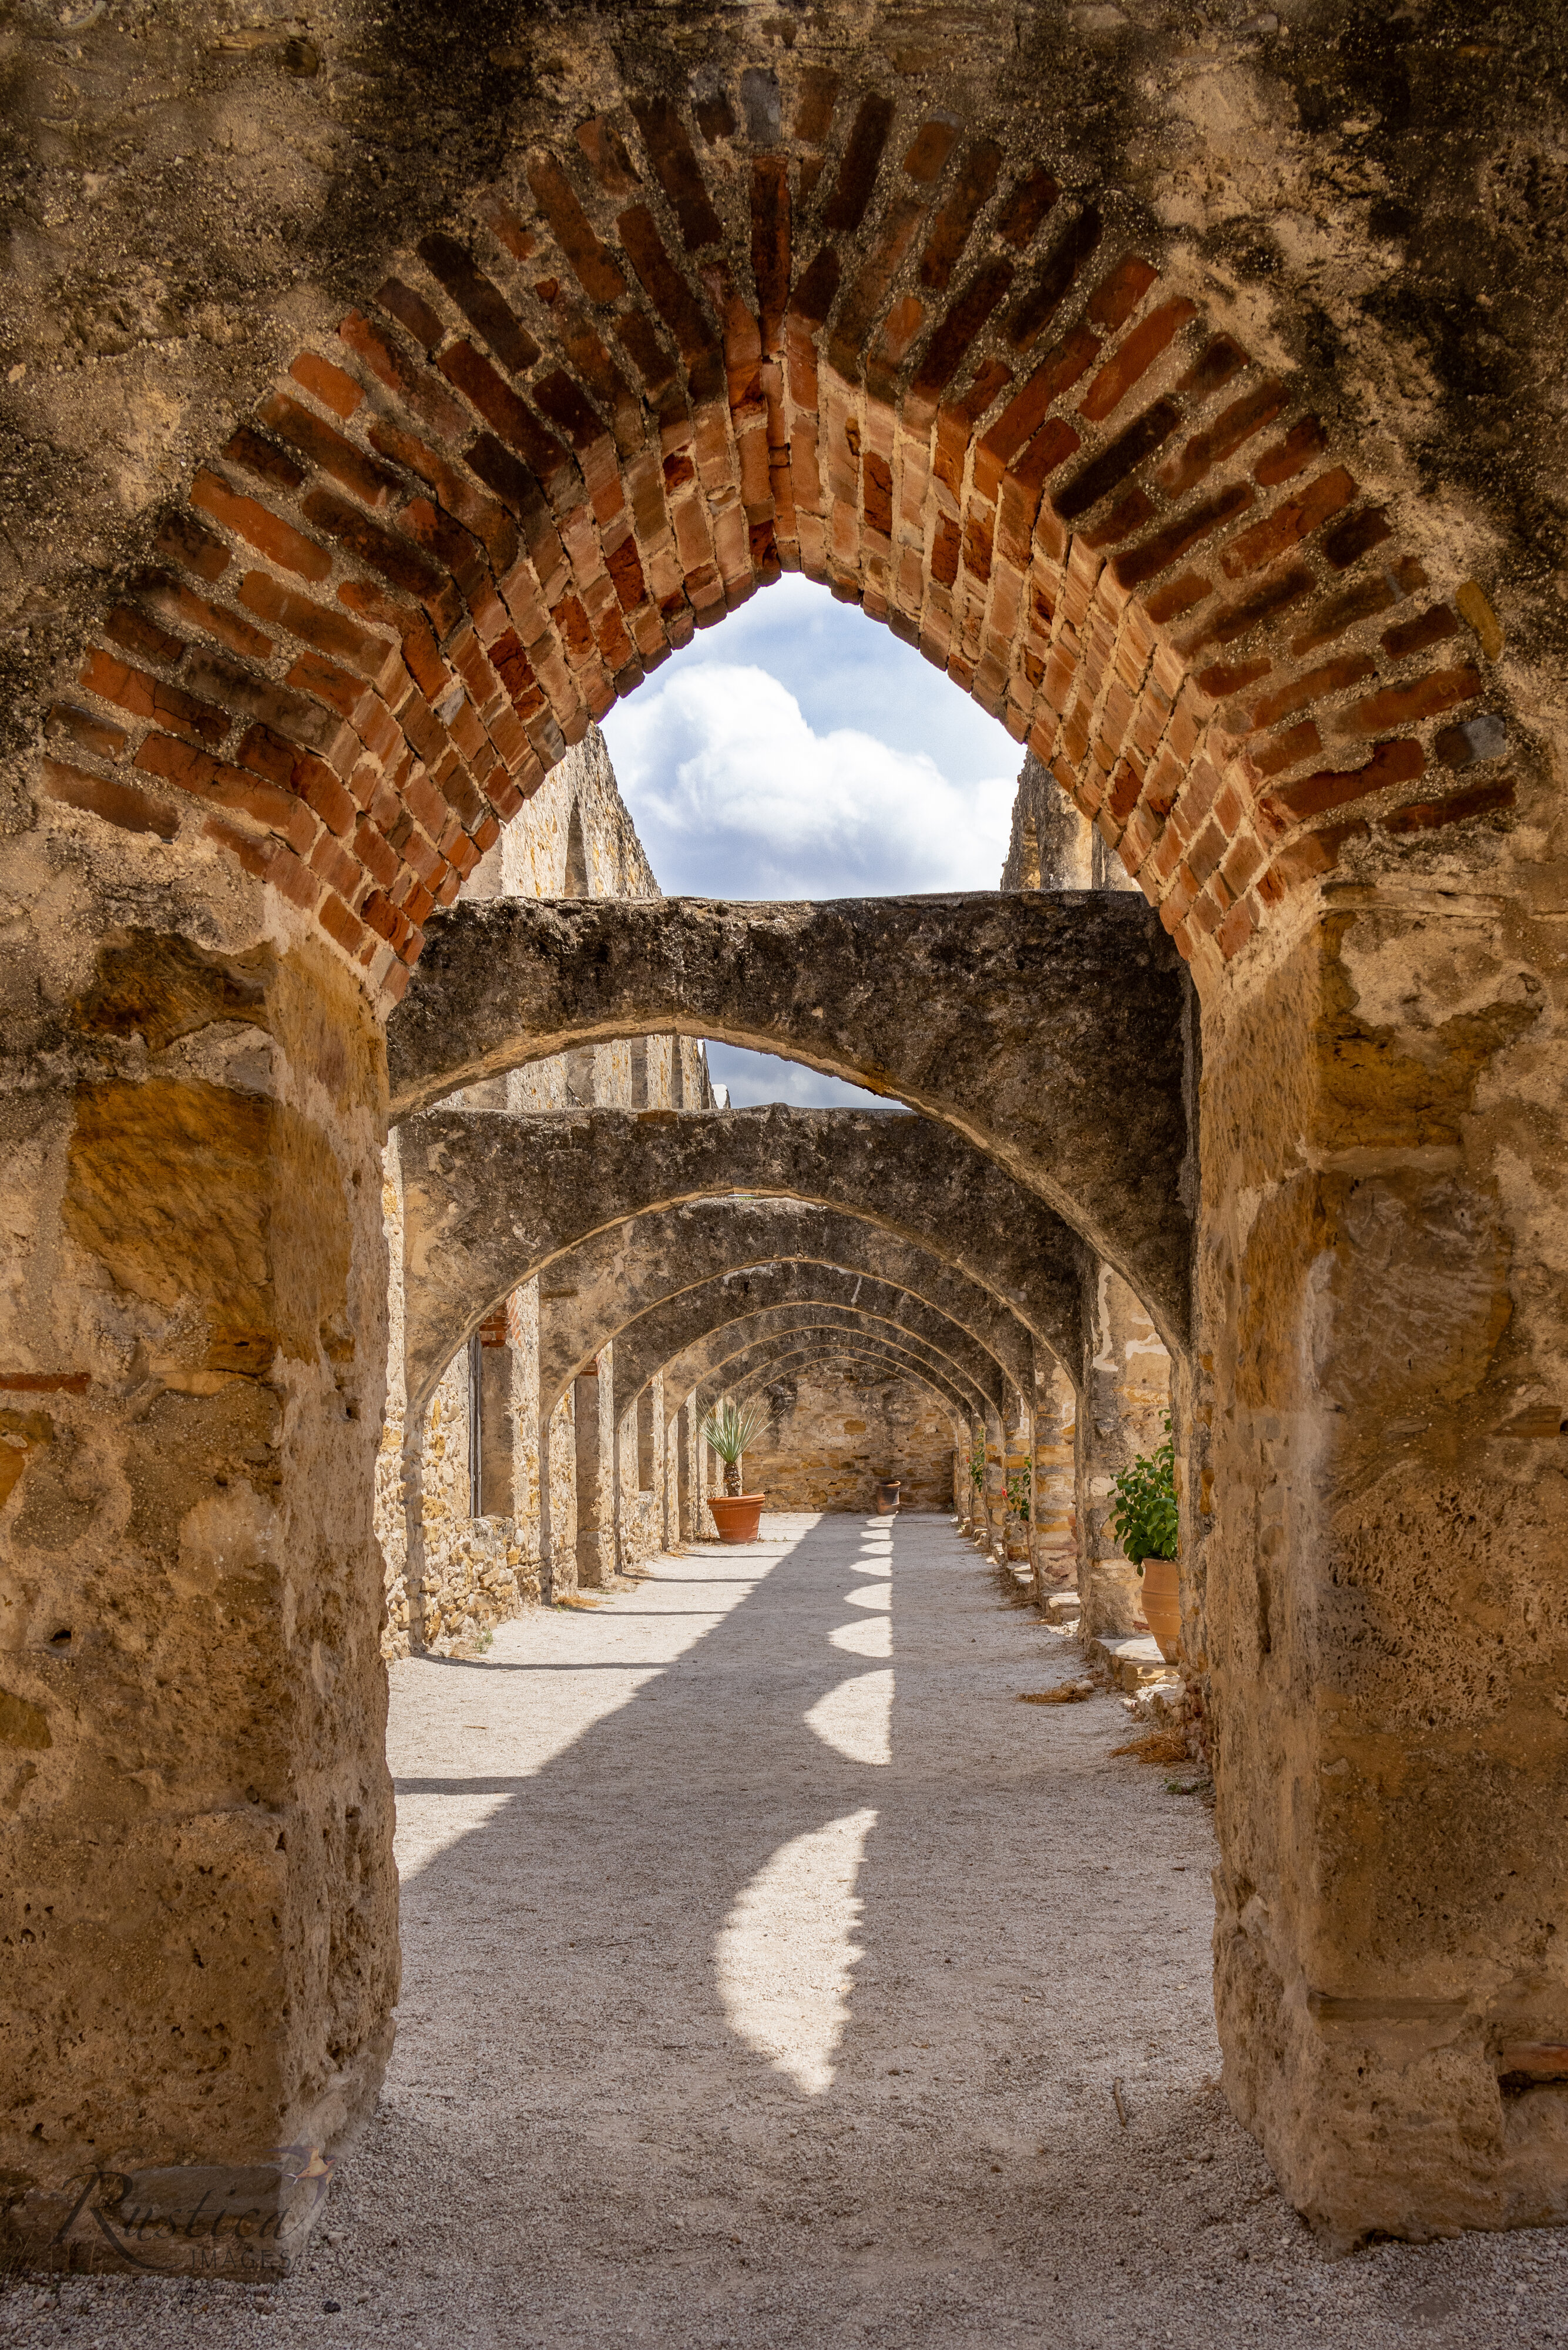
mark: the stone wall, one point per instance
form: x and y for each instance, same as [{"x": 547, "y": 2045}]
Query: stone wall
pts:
[
  {"x": 832, "y": 1431},
  {"x": 1126, "y": 1398},
  {"x": 451, "y": 1576}
]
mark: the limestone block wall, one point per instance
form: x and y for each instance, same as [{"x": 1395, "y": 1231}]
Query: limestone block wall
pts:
[
  {"x": 1018, "y": 1480},
  {"x": 449, "y": 1575},
  {"x": 1056, "y": 1516},
  {"x": 558, "y": 1499},
  {"x": 469, "y": 1573},
  {"x": 644, "y": 1458},
  {"x": 832, "y": 1432},
  {"x": 391, "y": 1498}
]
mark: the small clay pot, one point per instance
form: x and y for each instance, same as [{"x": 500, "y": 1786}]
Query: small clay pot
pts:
[
  {"x": 887, "y": 1494},
  {"x": 737, "y": 1516},
  {"x": 1162, "y": 1605}
]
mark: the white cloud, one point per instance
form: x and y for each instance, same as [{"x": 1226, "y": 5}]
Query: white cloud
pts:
[
  {"x": 801, "y": 751},
  {"x": 736, "y": 795}
]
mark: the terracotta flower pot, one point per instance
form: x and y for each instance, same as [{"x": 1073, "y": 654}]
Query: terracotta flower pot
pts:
[
  {"x": 736, "y": 1515},
  {"x": 887, "y": 1494},
  {"x": 1162, "y": 1605}
]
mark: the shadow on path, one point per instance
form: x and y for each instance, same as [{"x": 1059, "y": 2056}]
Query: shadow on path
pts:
[{"x": 767, "y": 1969}]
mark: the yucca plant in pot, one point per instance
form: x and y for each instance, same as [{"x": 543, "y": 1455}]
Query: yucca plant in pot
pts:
[
  {"x": 731, "y": 1429},
  {"x": 1147, "y": 1523}
]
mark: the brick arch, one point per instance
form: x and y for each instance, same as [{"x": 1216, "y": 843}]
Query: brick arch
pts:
[{"x": 680, "y": 348}]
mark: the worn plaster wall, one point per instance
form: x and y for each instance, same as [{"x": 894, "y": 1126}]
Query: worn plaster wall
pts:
[{"x": 832, "y": 1431}]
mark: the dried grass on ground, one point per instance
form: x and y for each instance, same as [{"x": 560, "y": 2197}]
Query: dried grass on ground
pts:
[{"x": 1160, "y": 1746}]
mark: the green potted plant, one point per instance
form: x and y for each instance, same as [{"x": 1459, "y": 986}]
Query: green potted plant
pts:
[
  {"x": 731, "y": 1429},
  {"x": 1146, "y": 1520}
]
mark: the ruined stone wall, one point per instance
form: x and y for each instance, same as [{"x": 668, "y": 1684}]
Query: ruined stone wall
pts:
[
  {"x": 832, "y": 1431},
  {"x": 641, "y": 1521},
  {"x": 468, "y": 1573},
  {"x": 1055, "y": 1518},
  {"x": 450, "y": 1576}
]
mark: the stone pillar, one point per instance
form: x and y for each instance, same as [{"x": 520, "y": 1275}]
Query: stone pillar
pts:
[
  {"x": 1126, "y": 1397},
  {"x": 497, "y": 1424},
  {"x": 1054, "y": 1515},
  {"x": 687, "y": 1470},
  {"x": 993, "y": 1496},
  {"x": 527, "y": 1465},
  {"x": 1381, "y": 1600},
  {"x": 593, "y": 1406},
  {"x": 971, "y": 1493},
  {"x": 1018, "y": 1474},
  {"x": 670, "y": 1480},
  {"x": 558, "y": 1498},
  {"x": 196, "y": 1868}
]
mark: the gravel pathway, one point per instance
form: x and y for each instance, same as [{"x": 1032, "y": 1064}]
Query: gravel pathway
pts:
[{"x": 773, "y": 1977}]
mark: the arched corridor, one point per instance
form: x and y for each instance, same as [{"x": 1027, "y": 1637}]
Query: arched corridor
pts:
[{"x": 387, "y": 398}]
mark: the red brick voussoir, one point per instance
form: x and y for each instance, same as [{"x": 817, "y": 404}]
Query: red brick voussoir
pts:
[{"x": 645, "y": 372}]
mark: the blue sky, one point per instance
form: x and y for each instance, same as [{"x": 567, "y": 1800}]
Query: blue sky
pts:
[{"x": 798, "y": 750}]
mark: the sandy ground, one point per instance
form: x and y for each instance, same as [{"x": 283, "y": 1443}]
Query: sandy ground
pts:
[{"x": 768, "y": 1969}]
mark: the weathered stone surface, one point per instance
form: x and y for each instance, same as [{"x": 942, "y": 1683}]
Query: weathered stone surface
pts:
[
  {"x": 198, "y": 1851},
  {"x": 1378, "y": 1590},
  {"x": 835, "y": 1427},
  {"x": 1048, "y": 1029},
  {"x": 490, "y": 1199},
  {"x": 452, "y": 1575},
  {"x": 595, "y": 1290},
  {"x": 669, "y": 1335},
  {"x": 1126, "y": 1401},
  {"x": 784, "y": 1351}
]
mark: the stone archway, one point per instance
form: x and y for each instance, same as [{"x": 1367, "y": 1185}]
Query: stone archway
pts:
[
  {"x": 775, "y": 1379},
  {"x": 599, "y": 1288},
  {"x": 644, "y": 377},
  {"x": 1069, "y": 1062},
  {"x": 681, "y": 1339},
  {"x": 781, "y": 1352},
  {"x": 490, "y": 1197},
  {"x": 828, "y": 304}
]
